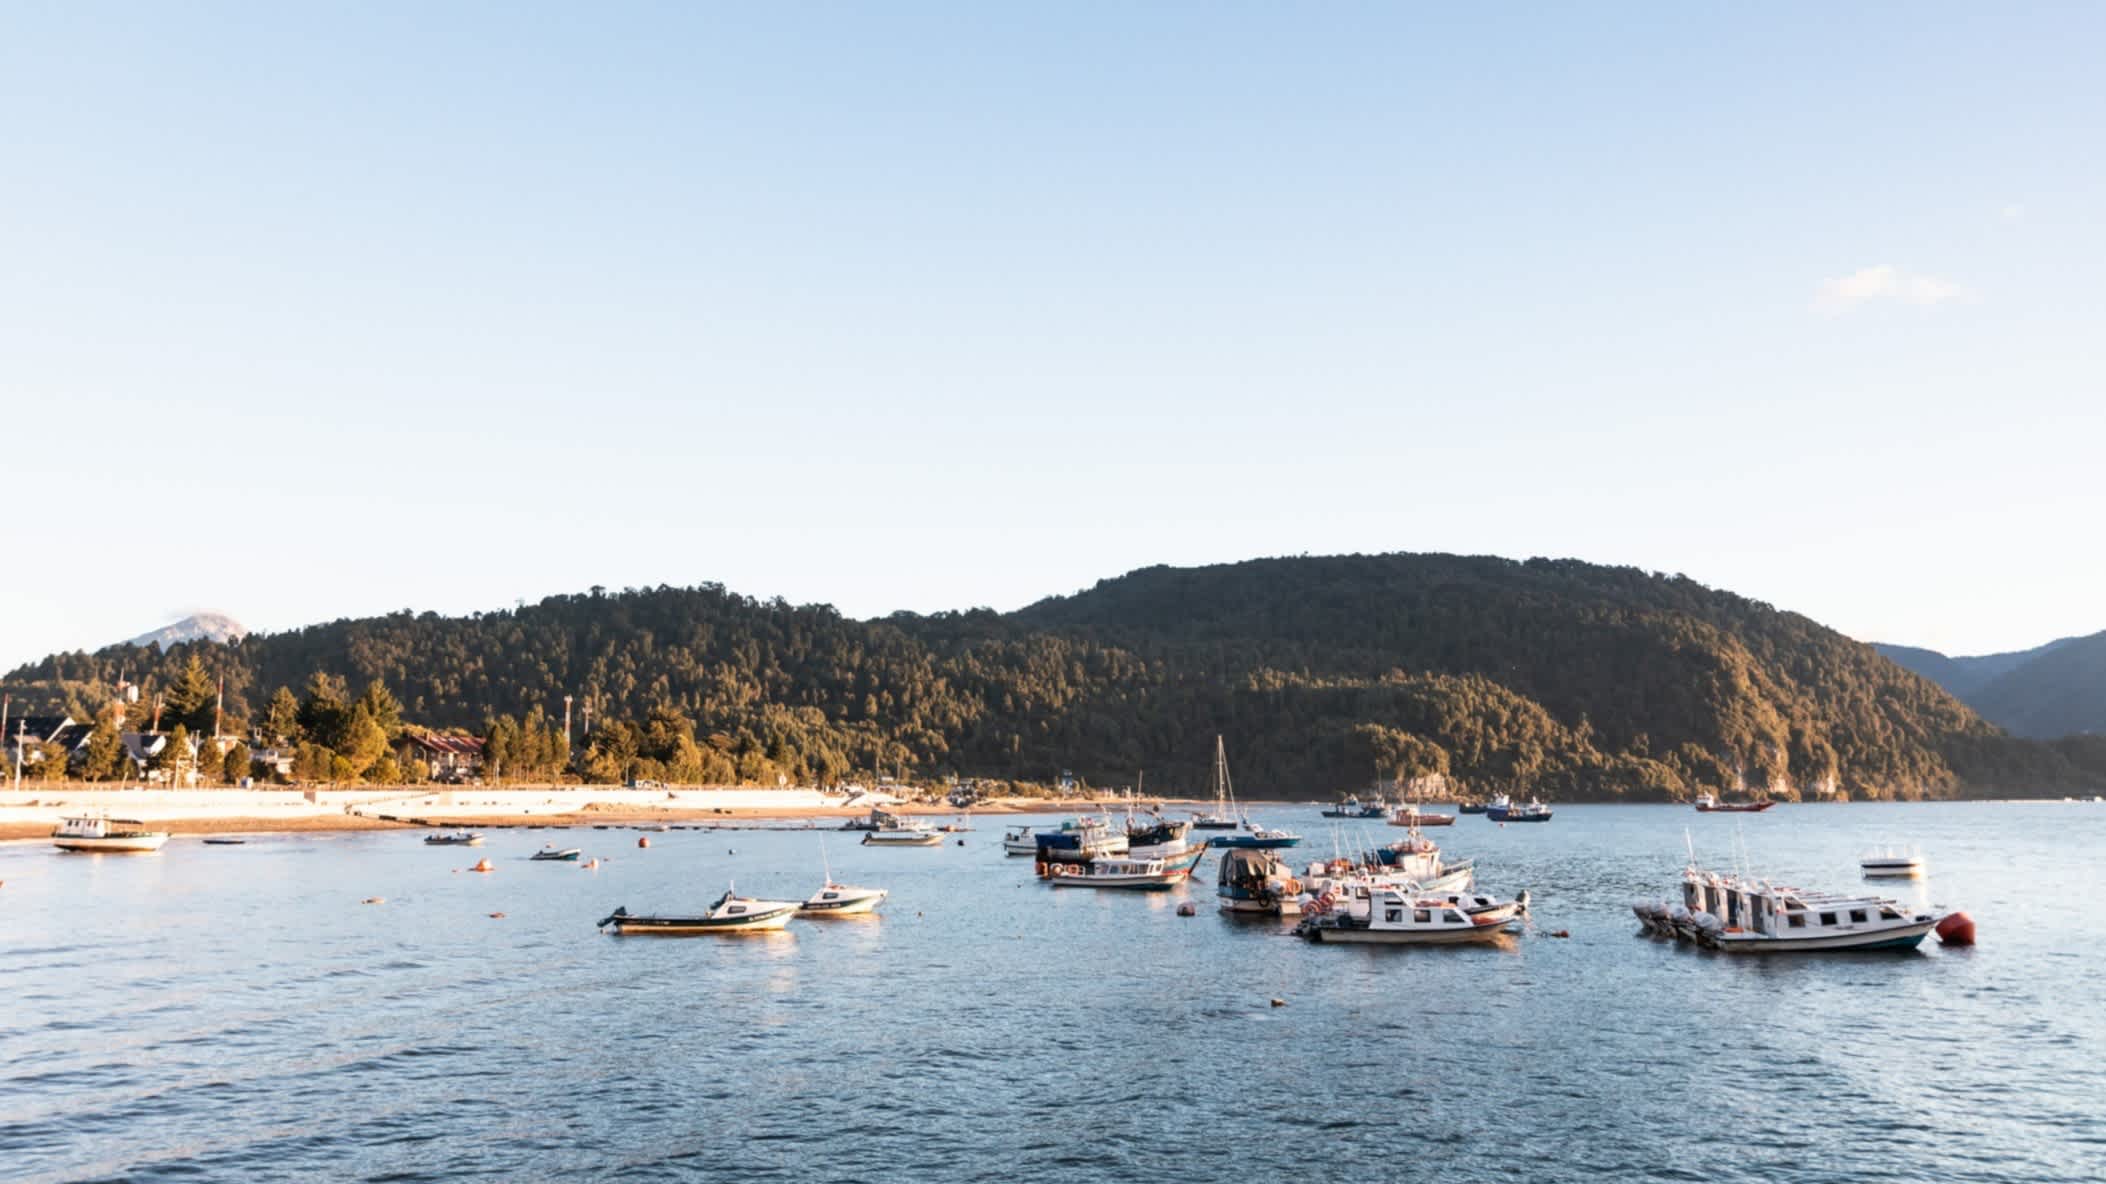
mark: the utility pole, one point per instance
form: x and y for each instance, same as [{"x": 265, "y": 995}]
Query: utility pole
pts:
[
  {"x": 18, "y": 755},
  {"x": 566, "y": 731}
]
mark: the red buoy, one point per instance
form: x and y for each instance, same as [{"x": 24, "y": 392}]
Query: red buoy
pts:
[
  {"x": 1957, "y": 929},
  {"x": 643, "y": 840}
]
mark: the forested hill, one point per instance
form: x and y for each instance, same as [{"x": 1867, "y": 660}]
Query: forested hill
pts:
[{"x": 1554, "y": 676}]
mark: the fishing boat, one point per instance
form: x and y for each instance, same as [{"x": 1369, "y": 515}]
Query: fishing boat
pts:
[
  {"x": 1412, "y": 816},
  {"x": 1143, "y": 874},
  {"x": 731, "y": 913},
  {"x": 842, "y": 900},
  {"x": 1079, "y": 840},
  {"x": 1019, "y": 840},
  {"x": 100, "y": 832},
  {"x": 1747, "y": 915},
  {"x": 1534, "y": 811},
  {"x": 1893, "y": 863},
  {"x": 1152, "y": 836},
  {"x": 554, "y": 854},
  {"x": 1255, "y": 881},
  {"x": 1709, "y": 804},
  {"x": 1471, "y": 808},
  {"x": 1399, "y": 917},
  {"x": 1353, "y": 807},
  {"x": 905, "y": 835},
  {"x": 459, "y": 838}
]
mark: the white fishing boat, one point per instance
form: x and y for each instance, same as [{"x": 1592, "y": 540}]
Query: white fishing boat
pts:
[
  {"x": 1397, "y": 917},
  {"x": 99, "y": 832},
  {"x": 1145, "y": 874},
  {"x": 731, "y": 913},
  {"x": 1745, "y": 915},
  {"x": 912, "y": 834},
  {"x": 1020, "y": 840},
  {"x": 459, "y": 838},
  {"x": 1080, "y": 840},
  {"x": 554, "y": 854},
  {"x": 842, "y": 900},
  {"x": 1893, "y": 863}
]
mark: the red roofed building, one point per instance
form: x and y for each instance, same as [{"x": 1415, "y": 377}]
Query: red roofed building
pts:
[{"x": 446, "y": 756}]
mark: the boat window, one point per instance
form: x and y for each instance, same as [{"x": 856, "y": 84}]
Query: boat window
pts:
[
  {"x": 1421, "y": 916},
  {"x": 1889, "y": 914},
  {"x": 738, "y": 908},
  {"x": 1857, "y": 916},
  {"x": 1827, "y": 918},
  {"x": 1455, "y": 918},
  {"x": 1795, "y": 920}
]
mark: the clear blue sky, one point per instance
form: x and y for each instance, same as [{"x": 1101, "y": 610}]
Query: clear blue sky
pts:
[{"x": 310, "y": 311}]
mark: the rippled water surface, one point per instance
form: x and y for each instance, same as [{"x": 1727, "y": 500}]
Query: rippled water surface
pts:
[{"x": 237, "y": 1013}]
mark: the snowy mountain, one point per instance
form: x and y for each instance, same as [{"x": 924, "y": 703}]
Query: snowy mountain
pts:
[{"x": 205, "y": 626}]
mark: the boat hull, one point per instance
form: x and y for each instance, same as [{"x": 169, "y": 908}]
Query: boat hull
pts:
[
  {"x": 1736, "y": 808},
  {"x": 1138, "y": 883},
  {"x": 761, "y": 922},
  {"x": 1253, "y": 843},
  {"x": 114, "y": 845},
  {"x": 1896, "y": 870},
  {"x": 1423, "y": 820},
  {"x": 1350, "y": 935},
  {"x": 847, "y": 906},
  {"x": 567, "y": 856},
  {"x": 1897, "y": 937},
  {"x": 884, "y": 838}
]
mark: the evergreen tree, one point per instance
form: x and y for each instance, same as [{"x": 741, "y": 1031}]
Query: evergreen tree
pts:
[
  {"x": 104, "y": 757},
  {"x": 382, "y": 708},
  {"x": 324, "y": 714},
  {"x": 235, "y": 765},
  {"x": 190, "y": 697},
  {"x": 281, "y": 720}
]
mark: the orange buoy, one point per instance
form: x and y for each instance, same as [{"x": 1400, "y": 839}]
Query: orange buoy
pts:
[
  {"x": 483, "y": 865},
  {"x": 590, "y": 864},
  {"x": 643, "y": 840},
  {"x": 374, "y": 900},
  {"x": 1957, "y": 929},
  {"x": 497, "y": 916}
]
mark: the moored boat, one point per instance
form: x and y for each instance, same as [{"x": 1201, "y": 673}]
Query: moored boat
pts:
[
  {"x": 1397, "y": 916},
  {"x": 1353, "y": 807},
  {"x": 1709, "y": 804},
  {"x": 1746, "y": 915},
  {"x": 1019, "y": 840},
  {"x": 1144, "y": 874},
  {"x": 731, "y": 913},
  {"x": 1470, "y": 808},
  {"x": 1255, "y": 881},
  {"x": 459, "y": 838},
  {"x": 100, "y": 832},
  {"x": 842, "y": 900},
  {"x": 909, "y": 835},
  {"x": 1412, "y": 816},
  {"x": 1079, "y": 840},
  {"x": 1503, "y": 811},
  {"x": 1893, "y": 863},
  {"x": 554, "y": 854}
]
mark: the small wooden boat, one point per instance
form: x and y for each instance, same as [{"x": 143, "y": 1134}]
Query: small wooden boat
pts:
[
  {"x": 1708, "y": 804},
  {"x": 731, "y": 913},
  {"x": 459, "y": 838},
  {"x": 100, "y": 832},
  {"x": 224, "y": 842},
  {"x": 553, "y": 854},
  {"x": 1144, "y": 874},
  {"x": 842, "y": 900}
]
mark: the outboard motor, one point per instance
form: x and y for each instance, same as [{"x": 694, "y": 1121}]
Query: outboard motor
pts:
[{"x": 1708, "y": 927}]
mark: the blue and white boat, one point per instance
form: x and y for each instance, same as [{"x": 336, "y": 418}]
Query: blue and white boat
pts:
[
  {"x": 1504, "y": 811},
  {"x": 1745, "y": 915},
  {"x": 1249, "y": 835},
  {"x": 1256, "y": 882},
  {"x": 1080, "y": 840}
]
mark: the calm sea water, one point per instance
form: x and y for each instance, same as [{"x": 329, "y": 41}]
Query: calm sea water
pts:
[{"x": 237, "y": 1013}]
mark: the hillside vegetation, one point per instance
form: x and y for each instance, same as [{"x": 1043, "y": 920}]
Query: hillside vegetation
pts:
[{"x": 1560, "y": 677}]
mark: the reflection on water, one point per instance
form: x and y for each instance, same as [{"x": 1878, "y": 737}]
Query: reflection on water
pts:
[{"x": 236, "y": 1013}]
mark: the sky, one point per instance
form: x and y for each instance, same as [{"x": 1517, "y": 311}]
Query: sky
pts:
[{"x": 314, "y": 311}]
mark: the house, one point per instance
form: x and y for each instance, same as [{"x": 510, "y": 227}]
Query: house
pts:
[
  {"x": 445, "y": 756},
  {"x": 32, "y": 733},
  {"x": 144, "y": 748}
]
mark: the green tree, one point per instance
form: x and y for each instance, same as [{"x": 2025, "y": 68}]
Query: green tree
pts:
[
  {"x": 190, "y": 696},
  {"x": 324, "y": 713},
  {"x": 235, "y": 765},
  {"x": 281, "y": 720},
  {"x": 176, "y": 759},
  {"x": 383, "y": 708},
  {"x": 363, "y": 743},
  {"x": 104, "y": 757}
]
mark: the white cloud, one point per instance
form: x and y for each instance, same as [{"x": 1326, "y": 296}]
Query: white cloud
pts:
[{"x": 1884, "y": 281}]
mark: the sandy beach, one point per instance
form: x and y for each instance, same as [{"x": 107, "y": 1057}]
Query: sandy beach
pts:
[{"x": 30, "y": 815}]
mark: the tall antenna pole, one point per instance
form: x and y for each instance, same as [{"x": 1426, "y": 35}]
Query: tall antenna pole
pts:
[{"x": 218, "y": 705}]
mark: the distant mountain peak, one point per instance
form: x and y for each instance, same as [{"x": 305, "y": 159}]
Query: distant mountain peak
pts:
[{"x": 195, "y": 627}]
